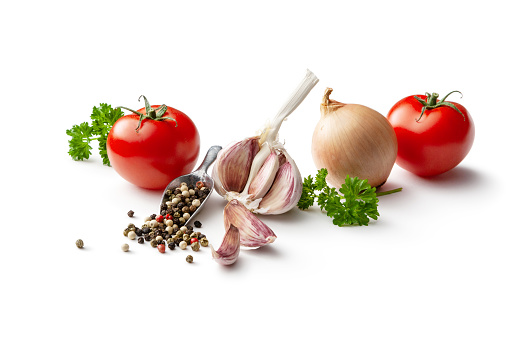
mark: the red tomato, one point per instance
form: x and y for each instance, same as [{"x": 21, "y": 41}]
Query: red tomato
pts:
[
  {"x": 156, "y": 153},
  {"x": 435, "y": 142}
]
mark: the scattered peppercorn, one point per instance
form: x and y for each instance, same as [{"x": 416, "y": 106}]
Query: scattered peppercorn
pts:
[
  {"x": 141, "y": 240},
  {"x": 130, "y": 214},
  {"x": 189, "y": 258},
  {"x": 197, "y": 224},
  {"x": 131, "y": 235},
  {"x": 124, "y": 247},
  {"x": 79, "y": 243}
]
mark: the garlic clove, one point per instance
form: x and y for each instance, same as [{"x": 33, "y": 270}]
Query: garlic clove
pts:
[
  {"x": 285, "y": 191},
  {"x": 233, "y": 164},
  {"x": 229, "y": 250},
  {"x": 253, "y": 232},
  {"x": 265, "y": 177}
]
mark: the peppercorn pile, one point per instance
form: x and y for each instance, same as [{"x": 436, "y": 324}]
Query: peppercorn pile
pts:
[{"x": 180, "y": 203}]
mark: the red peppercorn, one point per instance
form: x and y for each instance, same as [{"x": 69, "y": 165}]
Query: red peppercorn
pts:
[
  {"x": 161, "y": 248},
  {"x": 168, "y": 216},
  {"x": 199, "y": 184},
  {"x": 193, "y": 240},
  {"x": 159, "y": 218}
]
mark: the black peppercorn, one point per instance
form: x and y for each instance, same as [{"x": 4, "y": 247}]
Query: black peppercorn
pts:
[
  {"x": 197, "y": 224},
  {"x": 164, "y": 212},
  {"x": 145, "y": 230},
  {"x": 138, "y": 232},
  {"x": 201, "y": 236},
  {"x": 189, "y": 228},
  {"x": 148, "y": 237},
  {"x": 153, "y": 216},
  {"x": 130, "y": 214},
  {"x": 171, "y": 245},
  {"x": 180, "y": 205},
  {"x": 141, "y": 240}
]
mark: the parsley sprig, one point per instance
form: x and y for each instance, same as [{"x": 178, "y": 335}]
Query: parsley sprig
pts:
[
  {"x": 357, "y": 203},
  {"x": 103, "y": 118}
]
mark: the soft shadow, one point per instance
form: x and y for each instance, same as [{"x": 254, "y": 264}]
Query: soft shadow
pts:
[
  {"x": 459, "y": 177},
  {"x": 267, "y": 250}
]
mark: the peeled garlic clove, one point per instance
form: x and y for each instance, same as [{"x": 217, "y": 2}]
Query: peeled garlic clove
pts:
[
  {"x": 229, "y": 250},
  {"x": 265, "y": 176},
  {"x": 233, "y": 164},
  {"x": 285, "y": 191},
  {"x": 253, "y": 232}
]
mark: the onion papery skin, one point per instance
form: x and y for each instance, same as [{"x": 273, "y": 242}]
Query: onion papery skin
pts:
[{"x": 353, "y": 140}]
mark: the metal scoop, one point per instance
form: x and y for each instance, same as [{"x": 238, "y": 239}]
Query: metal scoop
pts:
[{"x": 200, "y": 174}]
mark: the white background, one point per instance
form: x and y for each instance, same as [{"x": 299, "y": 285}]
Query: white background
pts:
[{"x": 433, "y": 266}]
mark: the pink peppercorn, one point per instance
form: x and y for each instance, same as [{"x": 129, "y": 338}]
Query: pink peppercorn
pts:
[
  {"x": 161, "y": 248},
  {"x": 159, "y": 218},
  {"x": 193, "y": 240}
]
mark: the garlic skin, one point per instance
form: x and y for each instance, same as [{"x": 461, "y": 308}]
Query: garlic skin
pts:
[
  {"x": 261, "y": 185},
  {"x": 263, "y": 180},
  {"x": 285, "y": 191},
  {"x": 229, "y": 250},
  {"x": 233, "y": 164},
  {"x": 253, "y": 232},
  {"x": 353, "y": 140}
]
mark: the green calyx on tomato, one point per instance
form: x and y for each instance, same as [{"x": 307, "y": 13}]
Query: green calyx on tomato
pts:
[
  {"x": 431, "y": 103},
  {"x": 151, "y": 113}
]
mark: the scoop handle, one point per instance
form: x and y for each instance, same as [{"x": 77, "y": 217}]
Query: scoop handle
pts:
[{"x": 210, "y": 157}]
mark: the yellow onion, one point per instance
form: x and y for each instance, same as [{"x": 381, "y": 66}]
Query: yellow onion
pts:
[{"x": 353, "y": 140}]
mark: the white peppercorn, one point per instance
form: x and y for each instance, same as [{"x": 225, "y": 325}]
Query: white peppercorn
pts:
[
  {"x": 131, "y": 235},
  {"x": 183, "y": 245},
  {"x": 159, "y": 238},
  {"x": 196, "y": 202},
  {"x": 183, "y": 229},
  {"x": 124, "y": 247},
  {"x": 168, "y": 222},
  {"x": 186, "y": 216},
  {"x": 191, "y": 192},
  {"x": 185, "y": 194}
]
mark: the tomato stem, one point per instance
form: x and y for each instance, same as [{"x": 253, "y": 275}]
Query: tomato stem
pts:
[
  {"x": 431, "y": 103},
  {"x": 151, "y": 113}
]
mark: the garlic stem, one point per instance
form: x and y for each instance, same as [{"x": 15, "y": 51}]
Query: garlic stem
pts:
[{"x": 300, "y": 93}]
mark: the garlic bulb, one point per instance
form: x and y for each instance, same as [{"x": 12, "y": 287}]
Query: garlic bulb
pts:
[
  {"x": 258, "y": 171},
  {"x": 353, "y": 140},
  {"x": 229, "y": 250}
]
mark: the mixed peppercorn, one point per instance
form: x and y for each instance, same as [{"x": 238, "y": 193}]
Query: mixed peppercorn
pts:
[
  {"x": 167, "y": 229},
  {"x": 180, "y": 203}
]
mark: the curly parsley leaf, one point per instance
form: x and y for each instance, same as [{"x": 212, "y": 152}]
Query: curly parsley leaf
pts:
[
  {"x": 357, "y": 204},
  {"x": 307, "y": 199},
  {"x": 103, "y": 118},
  {"x": 79, "y": 145}
]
